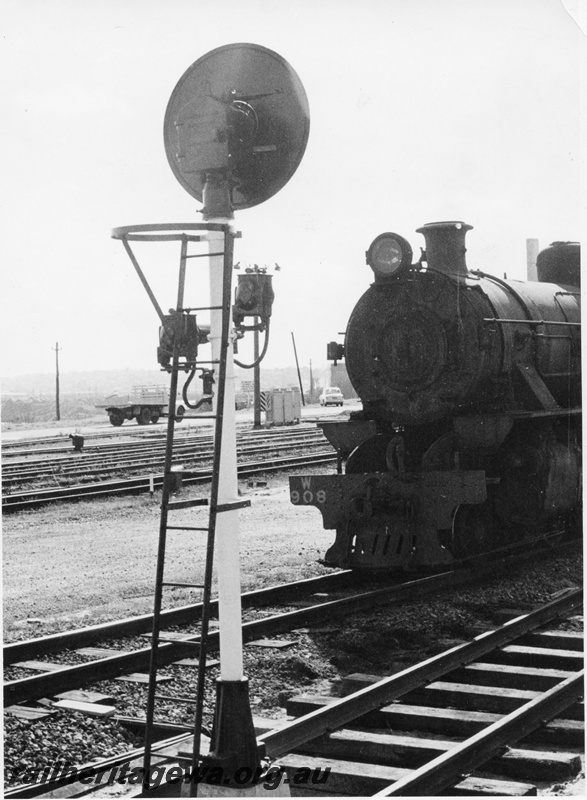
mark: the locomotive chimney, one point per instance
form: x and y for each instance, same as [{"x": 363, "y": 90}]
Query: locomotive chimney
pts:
[{"x": 445, "y": 246}]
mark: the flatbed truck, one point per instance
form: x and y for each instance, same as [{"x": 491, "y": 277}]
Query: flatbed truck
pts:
[{"x": 146, "y": 404}]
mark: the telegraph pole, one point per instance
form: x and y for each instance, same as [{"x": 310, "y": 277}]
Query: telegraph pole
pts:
[
  {"x": 298, "y": 369},
  {"x": 57, "y": 349}
]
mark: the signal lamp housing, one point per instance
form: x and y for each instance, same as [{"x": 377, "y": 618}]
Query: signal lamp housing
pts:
[
  {"x": 334, "y": 351},
  {"x": 388, "y": 254},
  {"x": 253, "y": 298},
  {"x": 179, "y": 335}
]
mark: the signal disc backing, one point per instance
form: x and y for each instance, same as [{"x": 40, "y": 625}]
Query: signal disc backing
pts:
[{"x": 240, "y": 110}]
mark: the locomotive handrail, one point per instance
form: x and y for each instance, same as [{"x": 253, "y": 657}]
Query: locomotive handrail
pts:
[
  {"x": 556, "y": 412},
  {"x": 529, "y": 322}
]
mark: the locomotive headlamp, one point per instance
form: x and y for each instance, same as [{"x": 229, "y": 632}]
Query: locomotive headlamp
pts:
[{"x": 387, "y": 254}]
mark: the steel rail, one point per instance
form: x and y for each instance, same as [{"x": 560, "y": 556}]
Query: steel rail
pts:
[
  {"x": 108, "y": 433},
  {"x": 54, "y": 682},
  {"x": 158, "y": 443},
  {"x": 23, "y": 500},
  {"x": 142, "y": 461},
  {"x": 447, "y": 769},
  {"x": 139, "y": 432},
  {"x": 144, "y": 450},
  {"x": 130, "y": 626},
  {"x": 342, "y": 579},
  {"x": 18, "y": 651},
  {"x": 91, "y": 770},
  {"x": 442, "y": 772},
  {"x": 133, "y": 457},
  {"x": 343, "y": 711},
  {"x": 145, "y": 437}
]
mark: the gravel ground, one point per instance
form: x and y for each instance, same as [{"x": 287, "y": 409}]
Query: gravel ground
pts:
[{"x": 95, "y": 561}]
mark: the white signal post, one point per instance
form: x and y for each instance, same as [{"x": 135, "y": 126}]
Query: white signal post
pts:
[
  {"x": 227, "y": 538},
  {"x": 234, "y": 746}
]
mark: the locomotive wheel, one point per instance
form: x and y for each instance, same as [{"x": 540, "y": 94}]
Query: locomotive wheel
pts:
[
  {"x": 473, "y": 530},
  {"x": 116, "y": 420},
  {"x": 144, "y": 416}
]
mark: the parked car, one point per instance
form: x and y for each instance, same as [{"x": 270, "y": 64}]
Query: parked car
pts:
[{"x": 332, "y": 396}]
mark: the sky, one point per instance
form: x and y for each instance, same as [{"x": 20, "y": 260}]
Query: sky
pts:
[{"x": 420, "y": 110}]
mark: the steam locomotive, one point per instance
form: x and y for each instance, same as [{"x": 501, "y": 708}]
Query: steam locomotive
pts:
[{"x": 470, "y": 433}]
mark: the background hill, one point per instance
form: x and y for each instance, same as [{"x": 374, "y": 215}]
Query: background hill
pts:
[
  {"x": 31, "y": 398},
  {"x": 97, "y": 384}
]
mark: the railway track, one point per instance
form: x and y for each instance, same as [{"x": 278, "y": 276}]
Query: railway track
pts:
[
  {"x": 59, "y": 442},
  {"x": 22, "y": 466},
  {"x": 315, "y": 450},
  {"x": 56, "y": 678},
  {"x": 494, "y": 716},
  {"x": 52, "y": 679},
  {"x": 147, "y": 483},
  {"x": 182, "y": 615},
  {"x": 507, "y": 703}
]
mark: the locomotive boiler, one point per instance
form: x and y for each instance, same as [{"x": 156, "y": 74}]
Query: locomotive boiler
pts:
[{"x": 469, "y": 437}]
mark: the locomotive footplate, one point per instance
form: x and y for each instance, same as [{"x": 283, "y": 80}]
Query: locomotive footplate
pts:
[{"x": 385, "y": 521}]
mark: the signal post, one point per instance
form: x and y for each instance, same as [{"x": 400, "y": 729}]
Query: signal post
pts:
[
  {"x": 224, "y": 138},
  {"x": 233, "y": 748}
]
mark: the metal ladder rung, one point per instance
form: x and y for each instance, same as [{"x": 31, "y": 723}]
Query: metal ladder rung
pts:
[
  {"x": 185, "y": 528},
  {"x": 184, "y": 363},
  {"x": 201, "y": 308},
  {"x": 197, "y": 416},
  {"x": 204, "y": 255},
  {"x": 186, "y": 503},
  {"x": 191, "y": 363},
  {"x": 185, "y": 585},
  {"x": 232, "y": 506}
]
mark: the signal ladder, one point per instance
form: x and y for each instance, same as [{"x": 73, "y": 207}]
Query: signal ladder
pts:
[{"x": 179, "y": 362}]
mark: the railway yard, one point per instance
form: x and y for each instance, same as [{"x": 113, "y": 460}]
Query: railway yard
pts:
[
  {"x": 416, "y": 684},
  {"x": 248, "y": 592}
]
